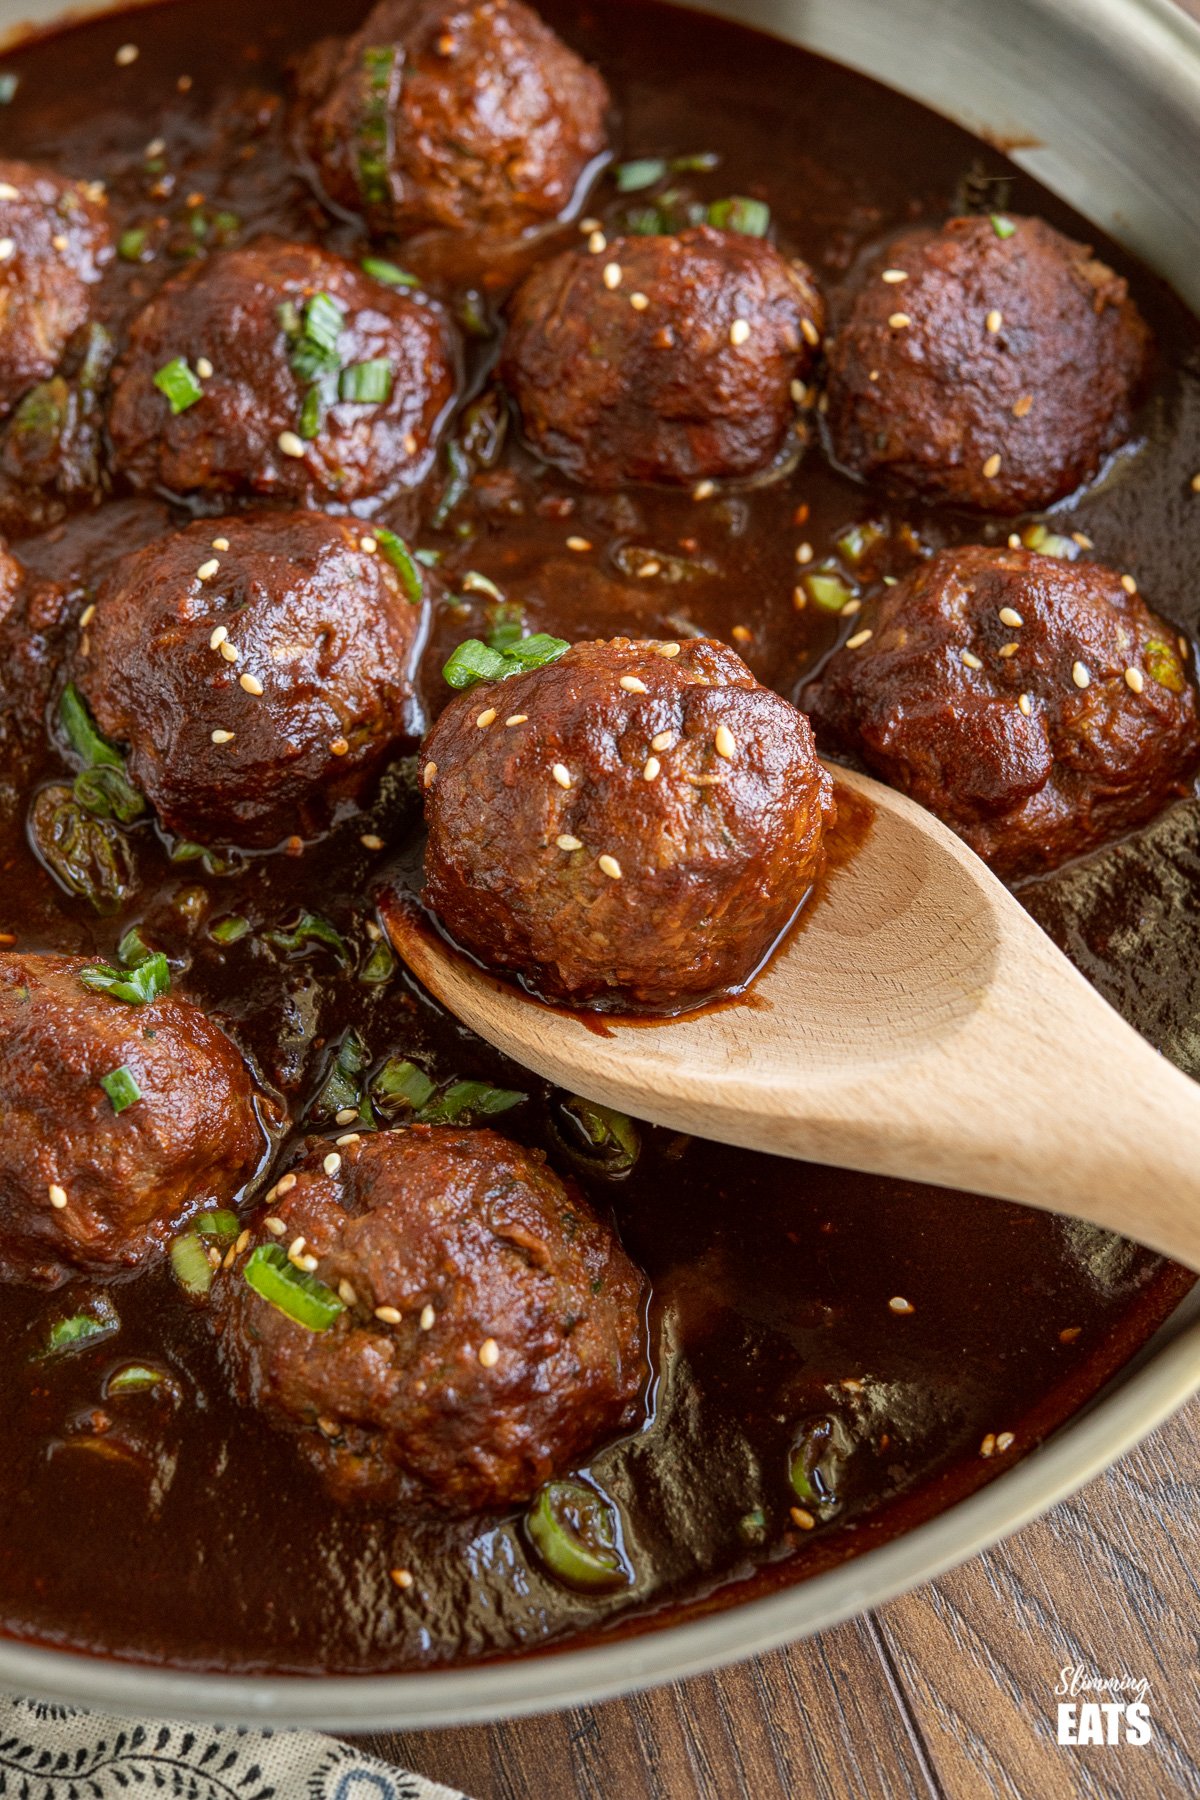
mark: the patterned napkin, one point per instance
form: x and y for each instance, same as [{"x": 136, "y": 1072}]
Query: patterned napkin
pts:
[{"x": 61, "y": 1753}]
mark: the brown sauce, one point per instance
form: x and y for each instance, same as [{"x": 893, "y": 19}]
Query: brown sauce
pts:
[{"x": 771, "y": 1280}]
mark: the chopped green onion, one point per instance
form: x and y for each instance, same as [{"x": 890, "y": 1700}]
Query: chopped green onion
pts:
[
  {"x": 507, "y": 625},
  {"x": 1049, "y": 543},
  {"x": 342, "y": 1086},
  {"x": 176, "y": 380},
  {"x": 601, "y": 1139},
  {"x": 369, "y": 383},
  {"x": 389, "y": 272},
  {"x": 312, "y": 414},
  {"x": 471, "y": 313},
  {"x": 1003, "y": 228},
  {"x": 80, "y": 731},
  {"x": 404, "y": 1082},
  {"x": 292, "y": 1291},
  {"x": 108, "y": 793},
  {"x": 190, "y": 1264},
  {"x": 82, "y": 1328},
  {"x": 857, "y": 541},
  {"x": 374, "y": 125},
  {"x": 428, "y": 559},
  {"x": 230, "y": 929},
  {"x": 752, "y": 1526},
  {"x": 469, "y": 1098},
  {"x": 475, "y": 583},
  {"x": 323, "y": 321},
  {"x": 134, "y": 1378},
  {"x": 828, "y": 590},
  {"x": 132, "y": 243},
  {"x": 221, "y": 1224},
  {"x": 1162, "y": 665},
  {"x": 816, "y": 1463},
  {"x": 290, "y": 322},
  {"x": 133, "y": 950},
  {"x": 645, "y": 221},
  {"x": 475, "y": 661},
  {"x": 137, "y": 987},
  {"x": 750, "y": 217},
  {"x": 535, "y": 652},
  {"x": 632, "y": 177},
  {"x": 457, "y": 483},
  {"x": 576, "y": 1532},
  {"x": 403, "y": 561},
  {"x": 699, "y": 162},
  {"x": 87, "y": 855},
  {"x": 311, "y": 929},
  {"x": 121, "y": 1088},
  {"x": 380, "y": 964}
]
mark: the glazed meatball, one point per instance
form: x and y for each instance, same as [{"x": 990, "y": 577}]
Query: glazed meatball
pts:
[
  {"x": 56, "y": 241},
  {"x": 259, "y": 670},
  {"x": 459, "y": 115},
  {"x": 273, "y": 334},
  {"x": 492, "y": 1326},
  {"x": 636, "y": 823},
  {"x": 83, "y": 1185},
  {"x": 1033, "y": 704},
  {"x": 667, "y": 359},
  {"x": 997, "y": 374}
]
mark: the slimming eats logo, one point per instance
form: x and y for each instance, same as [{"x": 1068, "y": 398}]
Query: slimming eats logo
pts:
[{"x": 1102, "y": 1709}]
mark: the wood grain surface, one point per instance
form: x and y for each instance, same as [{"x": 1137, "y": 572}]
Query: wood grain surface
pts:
[{"x": 948, "y": 1692}]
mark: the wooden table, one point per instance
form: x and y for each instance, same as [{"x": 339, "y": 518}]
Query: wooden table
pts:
[{"x": 946, "y": 1692}]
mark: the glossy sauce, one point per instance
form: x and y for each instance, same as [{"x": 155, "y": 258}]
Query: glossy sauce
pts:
[{"x": 771, "y": 1280}]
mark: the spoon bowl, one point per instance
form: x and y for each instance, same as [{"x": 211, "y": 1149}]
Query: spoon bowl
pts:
[{"x": 916, "y": 1023}]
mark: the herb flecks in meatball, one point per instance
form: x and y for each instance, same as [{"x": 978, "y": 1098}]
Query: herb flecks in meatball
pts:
[
  {"x": 665, "y": 359},
  {"x": 280, "y": 369},
  {"x": 635, "y": 823},
  {"x": 54, "y": 244},
  {"x": 437, "y": 115},
  {"x": 992, "y": 363},
  {"x": 486, "y": 1327},
  {"x": 259, "y": 670},
  {"x": 1037, "y": 706},
  {"x": 120, "y": 1120}
]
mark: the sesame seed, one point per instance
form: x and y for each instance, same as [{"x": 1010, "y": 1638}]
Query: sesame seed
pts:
[
  {"x": 798, "y": 392},
  {"x": 276, "y": 1227},
  {"x": 347, "y": 1293},
  {"x": 57, "y": 1195},
  {"x": 704, "y": 490},
  {"x": 345, "y": 1115},
  {"x": 649, "y": 569},
  {"x": 517, "y": 719},
  {"x": 804, "y": 553},
  {"x": 388, "y": 1315},
  {"x": 739, "y": 332},
  {"x": 402, "y": 1578},
  {"x": 650, "y": 768},
  {"x": 87, "y": 615},
  {"x": 849, "y": 609},
  {"x": 988, "y": 1446},
  {"x": 489, "y": 1353},
  {"x": 1007, "y": 650},
  {"x": 802, "y": 1518},
  {"x": 586, "y": 225},
  {"x": 221, "y": 543},
  {"x": 8, "y": 191},
  {"x": 219, "y": 634},
  {"x": 7, "y": 247},
  {"x": 639, "y": 302},
  {"x": 894, "y": 276},
  {"x": 428, "y": 773},
  {"x": 411, "y": 443},
  {"x": 371, "y": 841},
  {"x": 428, "y": 1318},
  {"x": 860, "y": 638},
  {"x": 608, "y": 865},
  {"x": 250, "y": 684},
  {"x": 339, "y": 746},
  {"x": 228, "y": 650},
  {"x": 742, "y": 633},
  {"x": 662, "y": 740},
  {"x": 667, "y": 650},
  {"x": 898, "y": 1304},
  {"x": 995, "y": 319},
  {"x": 970, "y": 659},
  {"x": 809, "y": 333},
  {"x": 332, "y": 1163},
  {"x": 128, "y": 53},
  {"x": 486, "y": 717},
  {"x": 1129, "y": 584},
  {"x": 1014, "y": 541},
  {"x": 296, "y": 1248},
  {"x": 1083, "y": 540},
  {"x": 285, "y": 1184},
  {"x": 1134, "y": 680},
  {"x": 308, "y": 1263},
  {"x": 1196, "y": 482},
  {"x": 612, "y": 276},
  {"x": 567, "y": 842},
  {"x": 1023, "y": 407},
  {"x": 799, "y": 599},
  {"x": 1010, "y": 616},
  {"x": 349, "y": 1137},
  {"x": 1005, "y": 1441},
  {"x": 579, "y": 544},
  {"x": 991, "y": 467},
  {"x": 204, "y": 368},
  {"x": 634, "y": 685},
  {"x": 562, "y": 775},
  {"x": 899, "y": 320},
  {"x": 1080, "y": 674},
  {"x": 221, "y": 737},
  {"x": 368, "y": 544},
  {"x": 290, "y": 443},
  {"x": 597, "y": 242},
  {"x": 243, "y": 1240},
  {"x": 724, "y": 742},
  {"x": 60, "y": 240}
]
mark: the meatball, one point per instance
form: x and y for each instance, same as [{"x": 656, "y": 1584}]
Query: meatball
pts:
[
  {"x": 83, "y": 1185},
  {"x": 667, "y": 359},
  {"x": 56, "y": 241},
  {"x": 491, "y": 1333},
  {"x": 459, "y": 115},
  {"x": 1035, "y": 705},
  {"x": 33, "y": 623},
  {"x": 997, "y": 374},
  {"x": 636, "y": 823},
  {"x": 273, "y": 334},
  {"x": 259, "y": 668}
]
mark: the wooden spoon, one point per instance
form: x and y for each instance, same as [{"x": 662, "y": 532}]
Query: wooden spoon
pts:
[{"x": 917, "y": 1024}]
